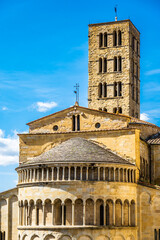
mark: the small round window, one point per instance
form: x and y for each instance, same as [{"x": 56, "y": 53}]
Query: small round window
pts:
[
  {"x": 97, "y": 125},
  {"x": 55, "y": 128}
]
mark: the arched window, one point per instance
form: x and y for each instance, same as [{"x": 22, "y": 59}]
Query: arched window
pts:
[
  {"x": 100, "y": 65},
  {"x": 78, "y": 122},
  {"x": 75, "y": 123},
  {"x": 119, "y": 64},
  {"x": 105, "y": 39},
  {"x": 114, "y": 38},
  {"x": 119, "y": 38},
  {"x": 100, "y": 109},
  {"x": 115, "y": 89},
  {"x": 132, "y": 212},
  {"x": 100, "y": 90},
  {"x": 126, "y": 213},
  {"x": 114, "y": 110},
  {"x": 100, "y": 40},
  {"x": 101, "y": 215},
  {"x": 105, "y": 65},
  {"x": 119, "y": 89},
  {"x": 118, "y": 212},
  {"x": 105, "y": 109},
  {"x": 155, "y": 234},
  {"x": 120, "y": 110},
  {"x": 104, "y": 89},
  {"x": 115, "y": 64}
]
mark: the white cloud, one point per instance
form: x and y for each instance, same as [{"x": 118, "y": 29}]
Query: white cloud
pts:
[
  {"x": 9, "y": 149},
  {"x": 144, "y": 117},
  {"x": 4, "y": 108},
  {"x": 153, "y": 72},
  {"x": 44, "y": 106}
]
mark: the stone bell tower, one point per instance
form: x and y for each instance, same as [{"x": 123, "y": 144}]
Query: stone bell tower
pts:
[{"x": 114, "y": 67}]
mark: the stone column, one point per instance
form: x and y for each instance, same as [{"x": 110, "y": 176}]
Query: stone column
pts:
[
  {"x": 114, "y": 213},
  {"x": 109, "y": 174},
  {"x": 52, "y": 213},
  {"x": 69, "y": 173},
  {"x": 94, "y": 213},
  {"x": 84, "y": 213},
  {"x": 129, "y": 214},
  {"x": 62, "y": 213},
  {"x": 122, "y": 215},
  {"x": 73, "y": 214},
  {"x": 87, "y": 173},
  {"x": 34, "y": 175},
  {"x": 43, "y": 207},
  {"x": 80, "y": 173},
  {"x": 75, "y": 175},
  {"x": 63, "y": 172},
  {"x": 38, "y": 174},
  {"x": 104, "y": 223}
]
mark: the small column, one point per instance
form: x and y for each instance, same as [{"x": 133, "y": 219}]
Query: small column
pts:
[
  {"x": 122, "y": 174},
  {"x": 104, "y": 214},
  {"x": 47, "y": 174},
  {"x": 114, "y": 174},
  {"x": 52, "y": 213},
  {"x": 72, "y": 214},
  {"x": 57, "y": 173},
  {"x": 103, "y": 173},
  {"x": 63, "y": 173},
  {"x": 113, "y": 213},
  {"x": 98, "y": 173},
  {"x": 38, "y": 174},
  {"x": 24, "y": 208},
  {"x": 84, "y": 213},
  {"x": 122, "y": 216},
  {"x": 129, "y": 214},
  {"x": 27, "y": 175},
  {"x": 126, "y": 175},
  {"x": 52, "y": 174},
  {"x": 69, "y": 173},
  {"x": 80, "y": 173},
  {"x": 20, "y": 214},
  {"x": 135, "y": 214},
  {"x": 42, "y": 173},
  {"x": 118, "y": 175},
  {"x": 43, "y": 207},
  {"x": 62, "y": 213},
  {"x": 109, "y": 174},
  {"x": 36, "y": 214},
  {"x": 94, "y": 213},
  {"x": 75, "y": 171},
  {"x": 87, "y": 173},
  {"x": 34, "y": 174}
]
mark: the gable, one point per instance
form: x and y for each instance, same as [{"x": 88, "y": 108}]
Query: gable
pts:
[{"x": 89, "y": 120}]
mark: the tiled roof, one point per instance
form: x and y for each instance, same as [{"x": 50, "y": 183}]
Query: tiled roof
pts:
[
  {"x": 154, "y": 139},
  {"x": 78, "y": 150},
  {"x": 138, "y": 121}
]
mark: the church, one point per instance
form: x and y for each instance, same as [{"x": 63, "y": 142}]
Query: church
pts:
[{"x": 91, "y": 173}]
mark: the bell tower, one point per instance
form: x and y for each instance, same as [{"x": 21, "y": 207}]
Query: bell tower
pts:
[{"x": 114, "y": 68}]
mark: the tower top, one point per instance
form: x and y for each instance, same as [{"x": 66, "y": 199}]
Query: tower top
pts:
[{"x": 115, "y": 13}]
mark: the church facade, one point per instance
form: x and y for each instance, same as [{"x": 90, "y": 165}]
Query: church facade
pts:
[{"x": 91, "y": 173}]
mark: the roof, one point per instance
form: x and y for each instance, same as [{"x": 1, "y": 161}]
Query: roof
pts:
[
  {"x": 139, "y": 121},
  {"x": 78, "y": 150},
  {"x": 154, "y": 139}
]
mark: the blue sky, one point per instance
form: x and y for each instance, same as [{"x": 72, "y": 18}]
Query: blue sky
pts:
[{"x": 44, "y": 52}]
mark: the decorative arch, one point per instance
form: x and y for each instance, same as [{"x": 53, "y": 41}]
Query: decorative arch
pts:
[
  {"x": 48, "y": 212},
  {"x": 102, "y": 237},
  {"x": 118, "y": 210},
  {"x": 68, "y": 212},
  {"x": 49, "y": 237},
  {"x": 35, "y": 237},
  {"x": 89, "y": 214},
  {"x": 65, "y": 237},
  {"x": 84, "y": 237}
]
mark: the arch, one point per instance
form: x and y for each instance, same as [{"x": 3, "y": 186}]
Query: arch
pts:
[
  {"x": 49, "y": 237},
  {"x": 84, "y": 237},
  {"x": 78, "y": 212},
  {"x": 109, "y": 212},
  {"x": 68, "y": 212},
  {"x": 100, "y": 212},
  {"x": 35, "y": 237},
  {"x": 25, "y": 237},
  {"x": 58, "y": 211},
  {"x": 126, "y": 213},
  {"x": 132, "y": 212},
  {"x": 48, "y": 212},
  {"x": 39, "y": 212},
  {"x": 65, "y": 237},
  {"x": 13, "y": 210},
  {"x": 31, "y": 212},
  {"x": 89, "y": 214},
  {"x": 118, "y": 211},
  {"x": 102, "y": 237}
]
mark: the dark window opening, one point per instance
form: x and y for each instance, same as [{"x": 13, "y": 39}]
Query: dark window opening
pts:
[
  {"x": 100, "y": 90},
  {"x": 105, "y": 109},
  {"x": 100, "y": 65},
  {"x": 105, "y": 65},
  {"x": 73, "y": 123},
  {"x": 101, "y": 215},
  {"x": 115, "y": 64},
  {"x": 105, "y": 90},
  {"x": 115, "y": 89},
  {"x": 100, "y": 40},
  {"x": 105, "y": 40},
  {"x": 114, "y": 110},
  {"x": 107, "y": 215},
  {"x": 120, "y": 110},
  {"x": 64, "y": 215},
  {"x": 78, "y": 123},
  {"x": 155, "y": 234},
  {"x": 97, "y": 125},
  {"x": 114, "y": 38},
  {"x": 159, "y": 234},
  {"x": 119, "y": 38},
  {"x": 119, "y": 64},
  {"x": 119, "y": 89},
  {"x": 37, "y": 216},
  {"x": 133, "y": 43}
]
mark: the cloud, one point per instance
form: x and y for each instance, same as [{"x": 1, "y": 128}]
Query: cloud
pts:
[
  {"x": 144, "y": 117},
  {"x": 9, "y": 149},
  {"x": 44, "y": 106},
  {"x": 4, "y": 108},
  {"x": 153, "y": 72}
]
